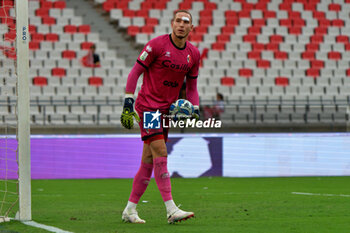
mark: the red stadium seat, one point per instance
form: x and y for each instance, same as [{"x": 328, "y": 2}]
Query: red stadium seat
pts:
[
  {"x": 53, "y": 37},
  {"x": 276, "y": 38},
  {"x": 317, "y": 64},
  {"x": 254, "y": 55},
  {"x": 294, "y": 30},
  {"x": 86, "y": 45},
  {"x": 272, "y": 47},
  {"x": 129, "y": 13},
  {"x": 232, "y": 22},
  {"x": 316, "y": 39},
  {"x": 223, "y": 38},
  {"x": 59, "y": 4},
  {"x": 269, "y": 14},
  {"x": 321, "y": 30},
  {"x": 220, "y": 46},
  {"x": 37, "y": 37},
  {"x": 258, "y": 47},
  {"x": 95, "y": 81},
  {"x": 342, "y": 39},
  {"x": 312, "y": 47},
  {"x": 48, "y": 20},
  {"x": 205, "y": 21},
  {"x": 249, "y": 38},
  {"x": 245, "y": 72},
  {"x": 254, "y": 30},
  {"x": 32, "y": 29},
  {"x": 58, "y": 72},
  {"x": 337, "y": 23},
  {"x": 227, "y": 81},
  {"x": 69, "y": 54},
  {"x": 41, "y": 12},
  {"x": 264, "y": 64},
  {"x": 71, "y": 29},
  {"x": 40, "y": 81},
  {"x": 227, "y": 30},
  {"x": 133, "y": 30},
  {"x": 308, "y": 55},
  {"x": 159, "y": 5},
  {"x": 259, "y": 22},
  {"x": 10, "y": 36},
  {"x": 142, "y": 13},
  {"x": 46, "y": 4},
  {"x": 147, "y": 29},
  {"x": 85, "y": 29},
  {"x": 334, "y": 55},
  {"x": 281, "y": 81},
  {"x": 334, "y": 7},
  {"x": 196, "y": 38},
  {"x": 281, "y": 55},
  {"x": 313, "y": 72},
  {"x": 201, "y": 30},
  {"x": 151, "y": 21},
  {"x": 108, "y": 6},
  {"x": 34, "y": 45}
]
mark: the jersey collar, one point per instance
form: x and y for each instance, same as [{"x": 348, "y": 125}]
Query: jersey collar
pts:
[{"x": 175, "y": 44}]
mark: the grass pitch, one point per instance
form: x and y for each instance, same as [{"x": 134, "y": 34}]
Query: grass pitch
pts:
[{"x": 246, "y": 205}]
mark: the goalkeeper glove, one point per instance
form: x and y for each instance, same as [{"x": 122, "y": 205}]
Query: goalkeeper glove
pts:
[
  {"x": 196, "y": 114},
  {"x": 128, "y": 114}
]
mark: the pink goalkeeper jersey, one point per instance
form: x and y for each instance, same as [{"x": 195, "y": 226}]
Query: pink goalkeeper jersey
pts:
[{"x": 166, "y": 68}]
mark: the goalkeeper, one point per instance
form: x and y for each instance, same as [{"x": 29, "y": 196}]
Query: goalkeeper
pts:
[{"x": 165, "y": 61}]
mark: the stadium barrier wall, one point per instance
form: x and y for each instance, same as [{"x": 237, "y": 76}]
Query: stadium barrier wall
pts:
[{"x": 192, "y": 155}]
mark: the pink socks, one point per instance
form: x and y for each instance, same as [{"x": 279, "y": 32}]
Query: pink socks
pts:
[
  {"x": 143, "y": 177},
  {"x": 140, "y": 182},
  {"x": 162, "y": 177}
]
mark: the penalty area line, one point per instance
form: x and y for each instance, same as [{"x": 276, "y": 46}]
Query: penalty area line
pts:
[
  {"x": 45, "y": 227},
  {"x": 321, "y": 194}
]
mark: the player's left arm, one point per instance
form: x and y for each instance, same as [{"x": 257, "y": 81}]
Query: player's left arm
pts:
[
  {"x": 191, "y": 86},
  {"x": 192, "y": 95}
]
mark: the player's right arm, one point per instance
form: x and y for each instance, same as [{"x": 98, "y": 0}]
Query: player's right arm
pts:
[
  {"x": 128, "y": 113},
  {"x": 147, "y": 56}
]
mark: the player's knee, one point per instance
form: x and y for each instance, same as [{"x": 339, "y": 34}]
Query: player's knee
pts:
[{"x": 161, "y": 151}]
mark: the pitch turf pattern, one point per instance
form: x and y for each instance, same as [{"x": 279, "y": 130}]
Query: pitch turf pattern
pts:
[{"x": 246, "y": 205}]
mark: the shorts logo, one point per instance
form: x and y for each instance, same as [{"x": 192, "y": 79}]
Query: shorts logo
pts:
[
  {"x": 151, "y": 120},
  {"x": 143, "y": 56}
]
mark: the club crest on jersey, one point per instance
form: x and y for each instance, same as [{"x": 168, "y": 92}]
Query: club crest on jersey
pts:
[
  {"x": 143, "y": 56},
  {"x": 167, "y": 54},
  {"x": 188, "y": 58}
]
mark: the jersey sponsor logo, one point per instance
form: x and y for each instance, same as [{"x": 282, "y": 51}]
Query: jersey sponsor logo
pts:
[
  {"x": 181, "y": 67},
  {"x": 143, "y": 56},
  {"x": 170, "y": 84}
]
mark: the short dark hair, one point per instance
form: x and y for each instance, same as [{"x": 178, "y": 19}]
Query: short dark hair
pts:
[
  {"x": 221, "y": 97},
  {"x": 179, "y": 11}
]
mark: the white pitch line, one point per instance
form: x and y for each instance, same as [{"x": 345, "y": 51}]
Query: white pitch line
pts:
[
  {"x": 45, "y": 227},
  {"x": 321, "y": 194}
]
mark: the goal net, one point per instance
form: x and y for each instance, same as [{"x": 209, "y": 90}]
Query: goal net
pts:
[{"x": 14, "y": 111}]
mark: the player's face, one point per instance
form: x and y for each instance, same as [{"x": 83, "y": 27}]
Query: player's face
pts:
[{"x": 182, "y": 25}]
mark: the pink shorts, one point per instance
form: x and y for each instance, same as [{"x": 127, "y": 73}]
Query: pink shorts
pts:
[{"x": 149, "y": 135}]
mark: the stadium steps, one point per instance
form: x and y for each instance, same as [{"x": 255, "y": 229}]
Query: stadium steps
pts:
[{"x": 98, "y": 22}]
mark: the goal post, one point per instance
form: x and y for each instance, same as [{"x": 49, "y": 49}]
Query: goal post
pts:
[{"x": 23, "y": 106}]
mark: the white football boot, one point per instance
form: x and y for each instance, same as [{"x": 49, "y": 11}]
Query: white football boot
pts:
[
  {"x": 132, "y": 217},
  {"x": 179, "y": 215}
]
